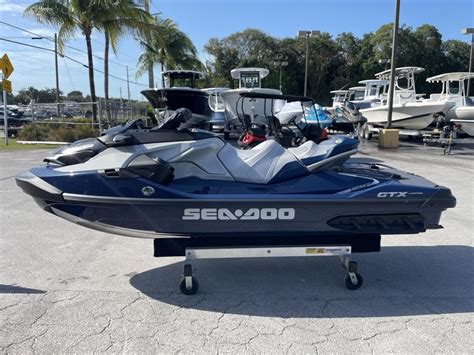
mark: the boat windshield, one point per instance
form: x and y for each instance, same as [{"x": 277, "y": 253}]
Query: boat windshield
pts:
[
  {"x": 454, "y": 87},
  {"x": 358, "y": 95},
  {"x": 216, "y": 103},
  {"x": 181, "y": 81}
]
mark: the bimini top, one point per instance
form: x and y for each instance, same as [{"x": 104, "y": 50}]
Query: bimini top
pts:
[
  {"x": 288, "y": 98},
  {"x": 236, "y": 73},
  {"x": 379, "y": 82},
  {"x": 183, "y": 73},
  {"x": 458, "y": 76},
  {"x": 400, "y": 72}
]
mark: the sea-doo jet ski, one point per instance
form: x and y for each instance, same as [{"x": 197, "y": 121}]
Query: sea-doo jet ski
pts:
[
  {"x": 199, "y": 196},
  {"x": 171, "y": 181}
]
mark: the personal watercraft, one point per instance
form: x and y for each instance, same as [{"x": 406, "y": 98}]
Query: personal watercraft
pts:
[{"x": 173, "y": 181}]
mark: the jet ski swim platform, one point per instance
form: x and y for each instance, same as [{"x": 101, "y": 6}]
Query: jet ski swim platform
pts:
[{"x": 192, "y": 189}]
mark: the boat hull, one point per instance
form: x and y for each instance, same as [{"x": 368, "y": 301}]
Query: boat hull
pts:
[
  {"x": 417, "y": 208},
  {"x": 461, "y": 113},
  {"x": 417, "y": 115},
  {"x": 466, "y": 125}
]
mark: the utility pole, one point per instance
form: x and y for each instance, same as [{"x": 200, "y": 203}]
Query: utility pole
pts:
[
  {"x": 128, "y": 86},
  {"x": 57, "y": 73},
  {"x": 121, "y": 104},
  {"x": 393, "y": 63}
]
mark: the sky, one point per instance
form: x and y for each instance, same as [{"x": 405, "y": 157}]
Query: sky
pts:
[{"x": 205, "y": 19}]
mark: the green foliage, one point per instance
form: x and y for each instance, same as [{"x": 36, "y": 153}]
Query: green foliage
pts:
[
  {"x": 55, "y": 132},
  {"x": 334, "y": 63},
  {"x": 166, "y": 45},
  {"x": 75, "y": 96}
]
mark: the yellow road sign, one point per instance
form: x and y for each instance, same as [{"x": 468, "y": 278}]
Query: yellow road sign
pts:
[
  {"x": 6, "y": 65},
  {"x": 7, "y": 85}
]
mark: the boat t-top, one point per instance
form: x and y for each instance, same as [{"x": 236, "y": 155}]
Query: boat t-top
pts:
[
  {"x": 454, "y": 91},
  {"x": 250, "y": 80},
  {"x": 409, "y": 111},
  {"x": 180, "y": 91}
]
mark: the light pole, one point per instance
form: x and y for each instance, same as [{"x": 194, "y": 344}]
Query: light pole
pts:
[
  {"x": 470, "y": 31},
  {"x": 281, "y": 64},
  {"x": 307, "y": 34}
]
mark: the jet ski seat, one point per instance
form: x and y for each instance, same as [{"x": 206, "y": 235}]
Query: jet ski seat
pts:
[
  {"x": 328, "y": 153},
  {"x": 266, "y": 163}
]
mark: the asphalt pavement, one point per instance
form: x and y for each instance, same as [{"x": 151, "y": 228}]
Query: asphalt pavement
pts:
[{"x": 65, "y": 288}]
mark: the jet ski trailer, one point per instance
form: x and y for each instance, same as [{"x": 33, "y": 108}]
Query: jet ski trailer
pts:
[{"x": 199, "y": 196}]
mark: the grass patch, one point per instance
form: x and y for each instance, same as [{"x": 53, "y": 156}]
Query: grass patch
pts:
[
  {"x": 56, "y": 132},
  {"x": 13, "y": 145}
]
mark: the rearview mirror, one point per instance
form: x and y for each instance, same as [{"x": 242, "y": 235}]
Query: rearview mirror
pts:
[{"x": 122, "y": 139}]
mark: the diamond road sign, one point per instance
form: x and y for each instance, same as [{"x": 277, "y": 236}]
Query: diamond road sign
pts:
[{"x": 6, "y": 66}]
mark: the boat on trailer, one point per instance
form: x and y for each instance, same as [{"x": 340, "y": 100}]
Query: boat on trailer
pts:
[
  {"x": 409, "y": 111},
  {"x": 454, "y": 91}
]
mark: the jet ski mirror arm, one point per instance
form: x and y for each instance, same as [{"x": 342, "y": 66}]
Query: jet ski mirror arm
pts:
[{"x": 122, "y": 139}]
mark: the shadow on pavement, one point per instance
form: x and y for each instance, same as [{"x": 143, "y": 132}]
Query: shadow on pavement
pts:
[
  {"x": 399, "y": 281},
  {"x": 18, "y": 289}
]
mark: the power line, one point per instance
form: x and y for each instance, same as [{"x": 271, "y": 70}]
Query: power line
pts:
[
  {"x": 67, "y": 45},
  {"x": 27, "y": 31},
  {"x": 71, "y": 59}
]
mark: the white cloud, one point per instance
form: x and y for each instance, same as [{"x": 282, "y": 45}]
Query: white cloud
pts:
[{"x": 8, "y": 6}]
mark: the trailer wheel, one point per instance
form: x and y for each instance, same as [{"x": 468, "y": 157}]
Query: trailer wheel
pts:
[
  {"x": 367, "y": 133},
  {"x": 350, "y": 285},
  {"x": 226, "y": 135},
  {"x": 189, "y": 291}
]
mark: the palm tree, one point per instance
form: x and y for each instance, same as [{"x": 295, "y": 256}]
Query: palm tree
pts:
[
  {"x": 125, "y": 17},
  {"x": 166, "y": 45},
  {"x": 85, "y": 16}
]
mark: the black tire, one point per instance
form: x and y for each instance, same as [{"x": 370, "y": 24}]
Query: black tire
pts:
[
  {"x": 189, "y": 292},
  {"x": 226, "y": 135},
  {"x": 350, "y": 285},
  {"x": 367, "y": 133}
]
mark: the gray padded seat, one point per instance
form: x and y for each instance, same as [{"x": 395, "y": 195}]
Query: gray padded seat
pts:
[
  {"x": 306, "y": 150},
  {"x": 260, "y": 164},
  {"x": 311, "y": 153}
]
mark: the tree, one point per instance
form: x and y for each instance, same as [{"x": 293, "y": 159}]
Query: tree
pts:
[
  {"x": 25, "y": 96},
  {"x": 74, "y": 15},
  {"x": 124, "y": 17},
  {"x": 166, "y": 45},
  {"x": 75, "y": 96}
]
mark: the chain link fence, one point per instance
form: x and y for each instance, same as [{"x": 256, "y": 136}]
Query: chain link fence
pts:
[{"x": 65, "y": 118}]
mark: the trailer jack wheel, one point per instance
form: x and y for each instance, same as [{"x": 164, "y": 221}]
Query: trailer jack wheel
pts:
[
  {"x": 192, "y": 283},
  {"x": 188, "y": 285},
  {"x": 353, "y": 281}
]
